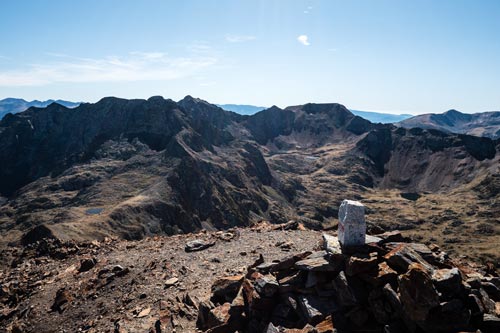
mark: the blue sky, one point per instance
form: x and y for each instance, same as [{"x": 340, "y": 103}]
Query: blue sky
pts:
[{"x": 397, "y": 56}]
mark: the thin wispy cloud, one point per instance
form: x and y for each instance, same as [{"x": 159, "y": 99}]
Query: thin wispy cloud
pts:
[
  {"x": 239, "y": 38},
  {"x": 135, "y": 66},
  {"x": 304, "y": 40}
]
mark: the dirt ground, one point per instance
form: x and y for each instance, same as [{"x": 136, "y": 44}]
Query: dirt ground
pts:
[{"x": 139, "y": 293}]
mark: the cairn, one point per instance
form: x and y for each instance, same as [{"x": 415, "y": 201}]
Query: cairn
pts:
[{"x": 355, "y": 283}]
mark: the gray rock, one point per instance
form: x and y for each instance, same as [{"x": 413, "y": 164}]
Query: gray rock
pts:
[
  {"x": 198, "y": 245},
  {"x": 352, "y": 225},
  {"x": 343, "y": 292},
  {"x": 331, "y": 244},
  {"x": 315, "y": 264},
  {"x": 266, "y": 285},
  {"x": 315, "y": 309},
  {"x": 373, "y": 239}
]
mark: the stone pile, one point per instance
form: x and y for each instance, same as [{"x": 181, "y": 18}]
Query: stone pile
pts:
[{"x": 386, "y": 284}]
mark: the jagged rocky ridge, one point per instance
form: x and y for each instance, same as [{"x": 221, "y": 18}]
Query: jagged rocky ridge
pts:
[{"x": 134, "y": 168}]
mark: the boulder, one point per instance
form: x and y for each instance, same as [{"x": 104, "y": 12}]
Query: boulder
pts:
[
  {"x": 226, "y": 288},
  {"x": 266, "y": 285},
  {"x": 219, "y": 315},
  {"x": 343, "y": 292},
  {"x": 360, "y": 263},
  {"x": 204, "y": 308},
  {"x": 450, "y": 316},
  {"x": 403, "y": 255},
  {"x": 418, "y": 295},
  {"x": 448, "y": 282}
]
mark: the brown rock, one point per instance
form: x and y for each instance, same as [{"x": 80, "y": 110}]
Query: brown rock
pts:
[
  {"x": 256, "y": 304},
  {"x": 62, "y": 300},
  {"x": 306, "y": 329},
  {"x": 317, "y": 261},
  {"x": 325, "y": 326},
  {"x": 386, "y": 274},
  {"x": 403, "y": 255},
  {"x": 225, "y": 289},
  {"x": 418, "y": 294},
  {"x": 360, "y": 263},
  {"x": 448, "y": 282},
  {"x": 87, "y": 264},
  {"x": 219, "y": 315},
  {"x": 204, "y": 309}
]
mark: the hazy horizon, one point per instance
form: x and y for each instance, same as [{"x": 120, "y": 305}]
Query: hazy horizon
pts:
[{"x": 397, "y": 57}]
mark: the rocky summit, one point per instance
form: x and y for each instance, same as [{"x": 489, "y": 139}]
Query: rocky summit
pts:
[{"x": 263, "y": 278}]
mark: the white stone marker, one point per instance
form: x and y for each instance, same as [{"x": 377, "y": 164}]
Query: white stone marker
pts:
[{"x": 352, "y": 225}]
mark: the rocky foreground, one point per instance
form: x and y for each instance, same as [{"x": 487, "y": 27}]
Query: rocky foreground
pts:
[{"x": 262, "y": 279}]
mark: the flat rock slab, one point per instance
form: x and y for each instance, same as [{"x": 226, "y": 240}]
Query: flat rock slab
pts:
[
  {"x": 319, "y": 264},
  {"x": 198, "y": 245},
  {"x": 373, "y": 239}
]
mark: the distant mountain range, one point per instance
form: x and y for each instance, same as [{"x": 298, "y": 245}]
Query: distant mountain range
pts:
[
  {"x": 15, "y": 105},
  {"x": 242, "y": 108},
  {"x": 378, "y": 117},
  {"x": 485, "y": 124},
  {"x": 374, "y": 117}
]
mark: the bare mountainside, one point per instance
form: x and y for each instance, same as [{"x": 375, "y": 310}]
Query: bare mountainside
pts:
[
  {"x": 134, "y": 168},
  {"x": 480, "y": 124}
]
